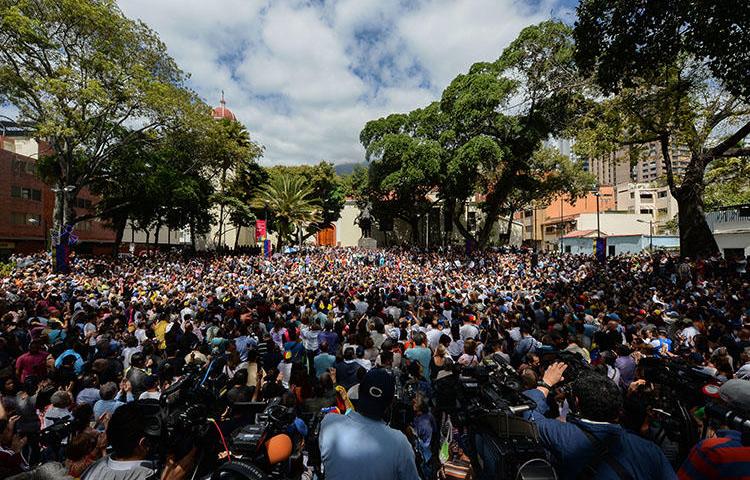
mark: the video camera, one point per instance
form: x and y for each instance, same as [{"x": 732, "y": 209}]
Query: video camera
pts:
[
  {"x": 678, "y": 387},
  {"x": 486, "y": 402},
  {"x": 182, "y": 418},
  {"x": 261, "y": 450}
]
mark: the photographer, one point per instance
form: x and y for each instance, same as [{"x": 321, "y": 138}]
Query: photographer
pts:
[
  {"x": 130, "y": 450},
  {"x": 723, "y": 454},
  {"x": 592, "y": 444},
  {"x": 361, "y": 445}
]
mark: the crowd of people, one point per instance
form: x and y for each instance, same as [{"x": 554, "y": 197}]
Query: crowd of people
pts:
[{"x": 324, "y": 327}]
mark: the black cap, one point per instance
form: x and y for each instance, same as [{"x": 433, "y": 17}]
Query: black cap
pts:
[{"x": 376, "y": 393}]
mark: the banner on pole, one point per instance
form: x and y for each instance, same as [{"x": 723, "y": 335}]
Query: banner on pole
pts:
[{"x": 260, "y": 229}]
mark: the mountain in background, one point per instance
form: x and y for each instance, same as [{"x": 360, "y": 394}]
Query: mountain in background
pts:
[{"x": 345, "y": 169}]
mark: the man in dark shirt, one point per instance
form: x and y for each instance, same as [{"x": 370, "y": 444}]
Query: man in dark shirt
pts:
[{"x": 346, "y": 370}]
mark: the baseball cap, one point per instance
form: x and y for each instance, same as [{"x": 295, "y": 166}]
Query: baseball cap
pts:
[
  {"x": 736, "y": 392},
  {"x": 376, "y": 392}
]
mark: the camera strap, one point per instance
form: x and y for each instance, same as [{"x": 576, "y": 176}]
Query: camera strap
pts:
[{"x": 602, "y": 454}]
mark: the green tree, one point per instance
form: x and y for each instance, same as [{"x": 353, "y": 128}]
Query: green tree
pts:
[
  {"x": 727, "y": 182},
  {"x": 294, "y": 207},
  {"x": 248, "y": 178},
  {"x": 78, "y": 71},
  {"x": 680, "y": 85},
  {"x": 326, "y": 186},
  {"x": 483, "y": 137},
  {"x": 231, "y": 151}
]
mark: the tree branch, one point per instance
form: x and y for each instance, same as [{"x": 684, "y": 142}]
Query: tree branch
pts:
[
  {"x": 664, "y": 141},
  {"x": 736, "y": 152},
  {"x": 731, "y": 141}
]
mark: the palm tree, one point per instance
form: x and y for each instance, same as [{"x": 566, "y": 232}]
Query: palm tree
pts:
[{"x": 290, "y": 200}]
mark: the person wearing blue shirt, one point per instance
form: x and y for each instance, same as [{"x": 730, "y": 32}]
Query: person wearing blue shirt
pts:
[
  {"x": 77, "y": 365},
  {"x": 592, "y": 443},
  {"x": 323, "y": 361},
  {"x": 361, "y": 445},
  {"x": 421, "y": 353}
]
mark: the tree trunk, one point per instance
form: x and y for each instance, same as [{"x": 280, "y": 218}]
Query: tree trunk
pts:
[
  {"x": 509, "y": 229},
  {"x": 486, "y": 231},
  {"x": 448, "y": 208},
  {"x": 156, "y": 237},
  {"x": 696, "y": 238},
  {"x": 414, "y": 223},
  {"x": 237, "y": 237},
  {"x": 148, "y": 241},
  {"x": 220, "y": 242},
  {"x": 192, "y": 235},
  {"x": 119, "y": 225},
  {"x": 463, "y": 230}
]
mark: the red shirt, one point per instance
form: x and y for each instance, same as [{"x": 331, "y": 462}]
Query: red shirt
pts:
[{"x": 32, "y": 364}]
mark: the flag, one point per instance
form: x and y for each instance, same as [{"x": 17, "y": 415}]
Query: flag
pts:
[{"x": 260, "y": 229}]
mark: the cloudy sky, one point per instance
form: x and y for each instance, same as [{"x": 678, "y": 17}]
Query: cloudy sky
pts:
[{"x": 305, "y": 75}]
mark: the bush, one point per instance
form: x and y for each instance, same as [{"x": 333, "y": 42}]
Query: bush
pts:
[{"x": 6, "y": 269}]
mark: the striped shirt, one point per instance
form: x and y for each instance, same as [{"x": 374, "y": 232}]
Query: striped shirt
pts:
[{"x": 720, "y": 457}]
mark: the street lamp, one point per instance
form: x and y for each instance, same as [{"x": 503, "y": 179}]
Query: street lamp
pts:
[
  {"x": 650, "y": 233},
  {"x": 597, "y": 194}
]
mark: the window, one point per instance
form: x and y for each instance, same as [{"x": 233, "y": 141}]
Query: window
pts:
[
  {"x": 645, "y": 211},
  {"x": 662, "y": 211},
  {"x": 567, "y": 248},
  {"x": 649, "y": 197},
  {"x": 20, "y": 167},
  {"x": 632, "y": 194},
  {"x": 25, "y": 193},
  {"x": 611, "y": 250},
  {"x": 84, "y": 226},
  {"x": 734, "y": 253},
  {"x": 22, "y": 218},
  {"x": 83, "y": 203},
  {"x": 663, "y": 194},
  {"x": 528, "y": 213},
  {"x": 550, "y": 229},
  {"x": 17, "y": 218},
  {"x": 529, "y": 228}
]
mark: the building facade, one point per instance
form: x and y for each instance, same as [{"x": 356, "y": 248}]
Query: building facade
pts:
[
  {"x": 731, "y": 229},
  {"x": 649, "y": 199},
  {"x": 26, "y": 202},
  {"x": 543, "y": 227}
]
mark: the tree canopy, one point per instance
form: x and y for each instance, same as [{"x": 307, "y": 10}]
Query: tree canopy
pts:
[
  {"x": 678, "y": 86},
  {"x": 484, "y": 137},
  {"x": 79, "y": 72}
]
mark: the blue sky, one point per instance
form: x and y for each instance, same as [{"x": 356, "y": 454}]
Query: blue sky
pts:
[{"x": 305, "y": 76}]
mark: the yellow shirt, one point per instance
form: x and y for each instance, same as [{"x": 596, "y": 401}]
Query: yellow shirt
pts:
[{"x": 159, "y": 330}]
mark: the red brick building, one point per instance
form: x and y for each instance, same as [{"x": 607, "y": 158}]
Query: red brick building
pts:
[{"x": 26, "y": 203}]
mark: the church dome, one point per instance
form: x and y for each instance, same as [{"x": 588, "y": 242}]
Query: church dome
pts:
[{"x": 222, "y": 111}]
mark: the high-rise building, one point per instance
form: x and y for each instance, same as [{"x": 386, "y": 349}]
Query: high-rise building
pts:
[
  {"x": 651, "y": 166},
  {"x": 611, "y": 169}
]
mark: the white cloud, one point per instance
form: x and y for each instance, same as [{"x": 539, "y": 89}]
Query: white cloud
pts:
[{"x": 304, "y": 76}]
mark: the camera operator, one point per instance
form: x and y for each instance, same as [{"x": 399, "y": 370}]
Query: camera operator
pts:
[
  {"x": 592, "y": 444},
  {"x": 723, "y": 454},
  {"x": 361, "y": 445},
  {"x": 126, "y": 434}
]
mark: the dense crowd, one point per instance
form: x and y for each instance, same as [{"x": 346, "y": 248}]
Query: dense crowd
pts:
[{"x": 317, "y": 327}]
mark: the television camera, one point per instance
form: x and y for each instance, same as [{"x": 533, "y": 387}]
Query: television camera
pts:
[{"x": 486, "y": 403}]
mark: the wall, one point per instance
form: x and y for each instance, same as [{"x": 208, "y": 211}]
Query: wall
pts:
[
  {"x": 348, "y": 234},
  {"x": 624, "y": 244},
  {"x": 734, "y": 240},
  {"x": 615, "y": 223}
]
